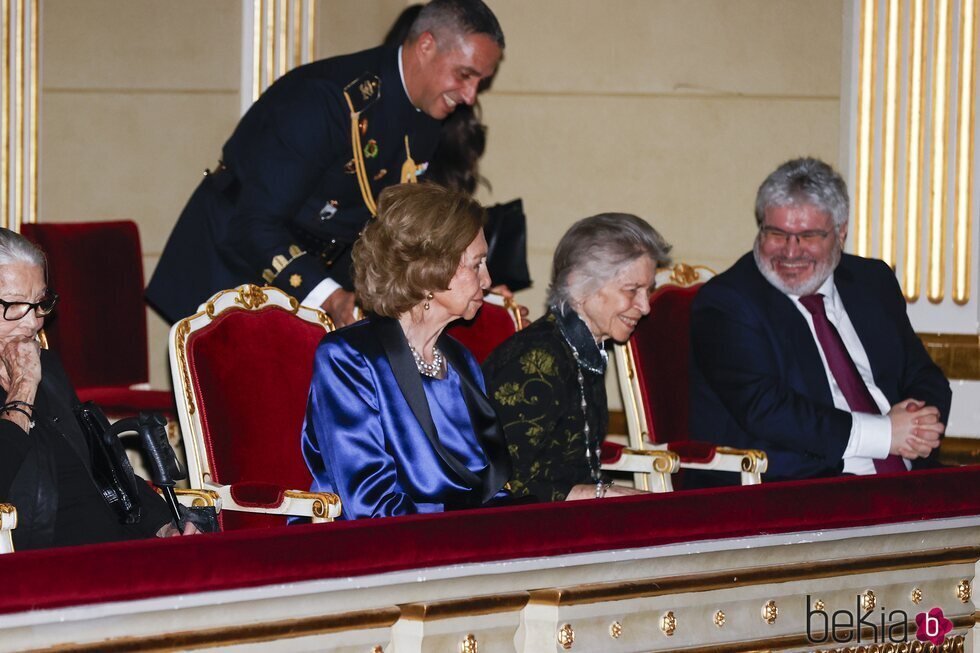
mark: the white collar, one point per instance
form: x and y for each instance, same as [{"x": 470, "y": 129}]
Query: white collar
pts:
[{"x": 401, "y": 75}]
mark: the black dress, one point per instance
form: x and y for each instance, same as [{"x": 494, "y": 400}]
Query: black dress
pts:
[
  {"x": 532, "y": 381},
  {"x": 46, "y": 475}
]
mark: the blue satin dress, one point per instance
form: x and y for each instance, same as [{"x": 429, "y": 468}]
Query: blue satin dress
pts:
[{"x": 363, "y": 439}]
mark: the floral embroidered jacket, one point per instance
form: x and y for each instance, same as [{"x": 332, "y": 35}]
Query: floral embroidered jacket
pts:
[{"x": 532, "y": 381}]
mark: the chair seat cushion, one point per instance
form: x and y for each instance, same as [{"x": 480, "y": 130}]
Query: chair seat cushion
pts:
[
  {"x": 610, "y": 452},
  {"x": 690, "y": 451},
  {"x": 123, "y": 399},
  {"x": 255, "y": 494}
]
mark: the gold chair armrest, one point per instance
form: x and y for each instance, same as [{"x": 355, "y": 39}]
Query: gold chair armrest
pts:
[
  {"x": 753, "y": 463},
  {"x": 326, "y": 505},
  {"x": 199, "y": 498},
  {"x": 8, "y": 522},
  {"x": 651, "y": 468}
]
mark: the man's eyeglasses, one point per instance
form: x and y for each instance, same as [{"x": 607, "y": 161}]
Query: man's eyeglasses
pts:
[
  {"x": 13, "y": 311},
  {"x": 778, "y": 237}
]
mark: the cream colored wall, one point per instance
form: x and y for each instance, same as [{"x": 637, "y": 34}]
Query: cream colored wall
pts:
[{"x": 671, "y": 110}]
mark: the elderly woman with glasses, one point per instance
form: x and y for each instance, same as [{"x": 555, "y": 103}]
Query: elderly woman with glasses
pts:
[
  {"x": 547, "y": 382},
  {"x": 45, "y": 461}
]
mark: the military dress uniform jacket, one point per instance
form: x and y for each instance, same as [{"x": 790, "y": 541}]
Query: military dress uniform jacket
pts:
[{"x": 286, "y": 203}]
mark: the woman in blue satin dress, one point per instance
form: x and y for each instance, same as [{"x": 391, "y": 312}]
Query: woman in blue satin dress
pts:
[{"x": 397, "y": 420}]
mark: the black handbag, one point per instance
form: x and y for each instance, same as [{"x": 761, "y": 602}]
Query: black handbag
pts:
[
  {"x": 110, "y": 467},
  {"x": 506, "y": 232}
]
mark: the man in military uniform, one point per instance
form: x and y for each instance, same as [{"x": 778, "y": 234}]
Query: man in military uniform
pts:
[{"x": 299, "y": 176}]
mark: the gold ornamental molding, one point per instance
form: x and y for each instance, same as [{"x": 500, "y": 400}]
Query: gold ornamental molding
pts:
[
  {"x": 281, "y": 36},
  {"x": 601, "y": 592},
  {"x": 914, "y": 128},
  {"x": 958, "y": 355},
  {"x": 19, "y": 70}
]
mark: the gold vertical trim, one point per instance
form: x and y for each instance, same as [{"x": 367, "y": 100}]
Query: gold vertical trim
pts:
[
  {"x": 915, "y": 137},
  {"x": 862, "y": 189},
  {"x": 281, "y": 36},
  {"x": 296, "y": 51},
  {"x": 311, "y": 31},
  {"x": 268, "y": 51},
  {"x": 32, "y": 191},
  {"x": 937, "y": 186},
  {"x": 19, "y": 70},
  {"x": 889, "y": 154},
  {"x": 5, "y": 117},
  {"x": 964, "y": 154},
  {"x": 256, "y": 49}
]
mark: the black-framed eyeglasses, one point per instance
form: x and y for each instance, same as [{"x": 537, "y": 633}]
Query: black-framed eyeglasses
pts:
[
  {"x": 779, "y": 237},
  {"x": 13, "y": 311}
]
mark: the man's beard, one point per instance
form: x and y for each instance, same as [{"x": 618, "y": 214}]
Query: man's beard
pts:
[{"x": 821, "y": 270}]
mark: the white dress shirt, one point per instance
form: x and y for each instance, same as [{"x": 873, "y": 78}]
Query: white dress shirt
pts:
[{"x": 871, "y": 435}]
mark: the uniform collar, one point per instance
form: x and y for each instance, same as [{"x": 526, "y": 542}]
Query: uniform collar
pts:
[{"x": 401, "y": 76}]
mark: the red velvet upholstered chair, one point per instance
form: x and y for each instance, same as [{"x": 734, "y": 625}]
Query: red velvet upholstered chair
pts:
[
  {"x": 497, "y": 320},
  {"x": 99, "y": 326},
  {"x": 653, "y": 379},
  {"x": 242, "y": 368}
]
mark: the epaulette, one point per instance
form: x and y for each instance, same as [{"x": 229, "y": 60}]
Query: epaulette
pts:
[{"x": 363, "y": 92}]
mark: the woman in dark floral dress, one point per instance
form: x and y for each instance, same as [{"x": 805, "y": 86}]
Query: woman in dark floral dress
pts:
[{"x": 547, "y": 382}]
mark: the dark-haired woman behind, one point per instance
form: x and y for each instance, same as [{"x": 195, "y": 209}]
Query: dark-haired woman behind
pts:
[{"x": 397, "y": 420}]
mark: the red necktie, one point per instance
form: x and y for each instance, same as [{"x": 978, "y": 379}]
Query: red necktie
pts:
[{"x": 846, "y": 374}]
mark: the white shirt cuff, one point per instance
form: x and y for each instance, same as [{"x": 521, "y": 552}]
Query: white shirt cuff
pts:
[
  {"x": 320, "y": 293},
  {"x": 871, "y": 436}
]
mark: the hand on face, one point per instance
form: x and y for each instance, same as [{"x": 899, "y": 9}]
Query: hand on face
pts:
[{"x": 20, "y": 362}]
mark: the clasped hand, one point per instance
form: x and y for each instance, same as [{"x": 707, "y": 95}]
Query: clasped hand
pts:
[{"x": 916, "y": 429}]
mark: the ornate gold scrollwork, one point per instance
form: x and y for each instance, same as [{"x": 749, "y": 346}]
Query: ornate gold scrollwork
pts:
[
  {"x": 469, "y": 644},
  {"x": 869, "y": 600},
  {"x": 719, "y": 619},
  {"x": 684, "y": 275},
  {"x": 566, "y": 636},
  {"x": 184, "y": 328},
  {"x": 321, "y": 501},
  {"x": 324, "y": 319},
  {"x": 7, "y": 509},
  {"x": 770, "y": 612},
  {"x": 964, "y": 591},
  {"x": 202, "y": 498},
  {"x": 616, "y": 630},
  {"x": 251, "y": 296},
  {"x": 668, "y": 623},
  {"x": 752, "y": 459}
]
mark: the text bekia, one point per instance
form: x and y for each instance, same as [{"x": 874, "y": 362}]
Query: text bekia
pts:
[{"x": 845, "y": 626}]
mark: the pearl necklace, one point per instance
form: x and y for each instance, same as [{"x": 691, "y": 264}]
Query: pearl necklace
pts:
[{"x": 433, "y": 369}]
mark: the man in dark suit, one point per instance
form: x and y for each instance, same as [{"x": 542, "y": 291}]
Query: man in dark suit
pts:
[
  {"x": 807, "y": 353},
  {"x": 297, "y": 179}
]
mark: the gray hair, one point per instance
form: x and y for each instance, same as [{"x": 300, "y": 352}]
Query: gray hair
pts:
[
  {"x": 451, "y": 19},
  {"x": 804, "y": 181},
  {"x": 14, "y": 248},
  {"x": 595, "y": 249}
]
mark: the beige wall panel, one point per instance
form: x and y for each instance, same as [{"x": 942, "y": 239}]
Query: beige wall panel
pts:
[
  {"x": 137, "y": 44},
  {"x": 110, "y": 156},
  {"x": 690, "y": 166},
  {"x": 157, "y": 332},
  {"x": 345, "y": 26},
  {"x": 664, "y": 46}
]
